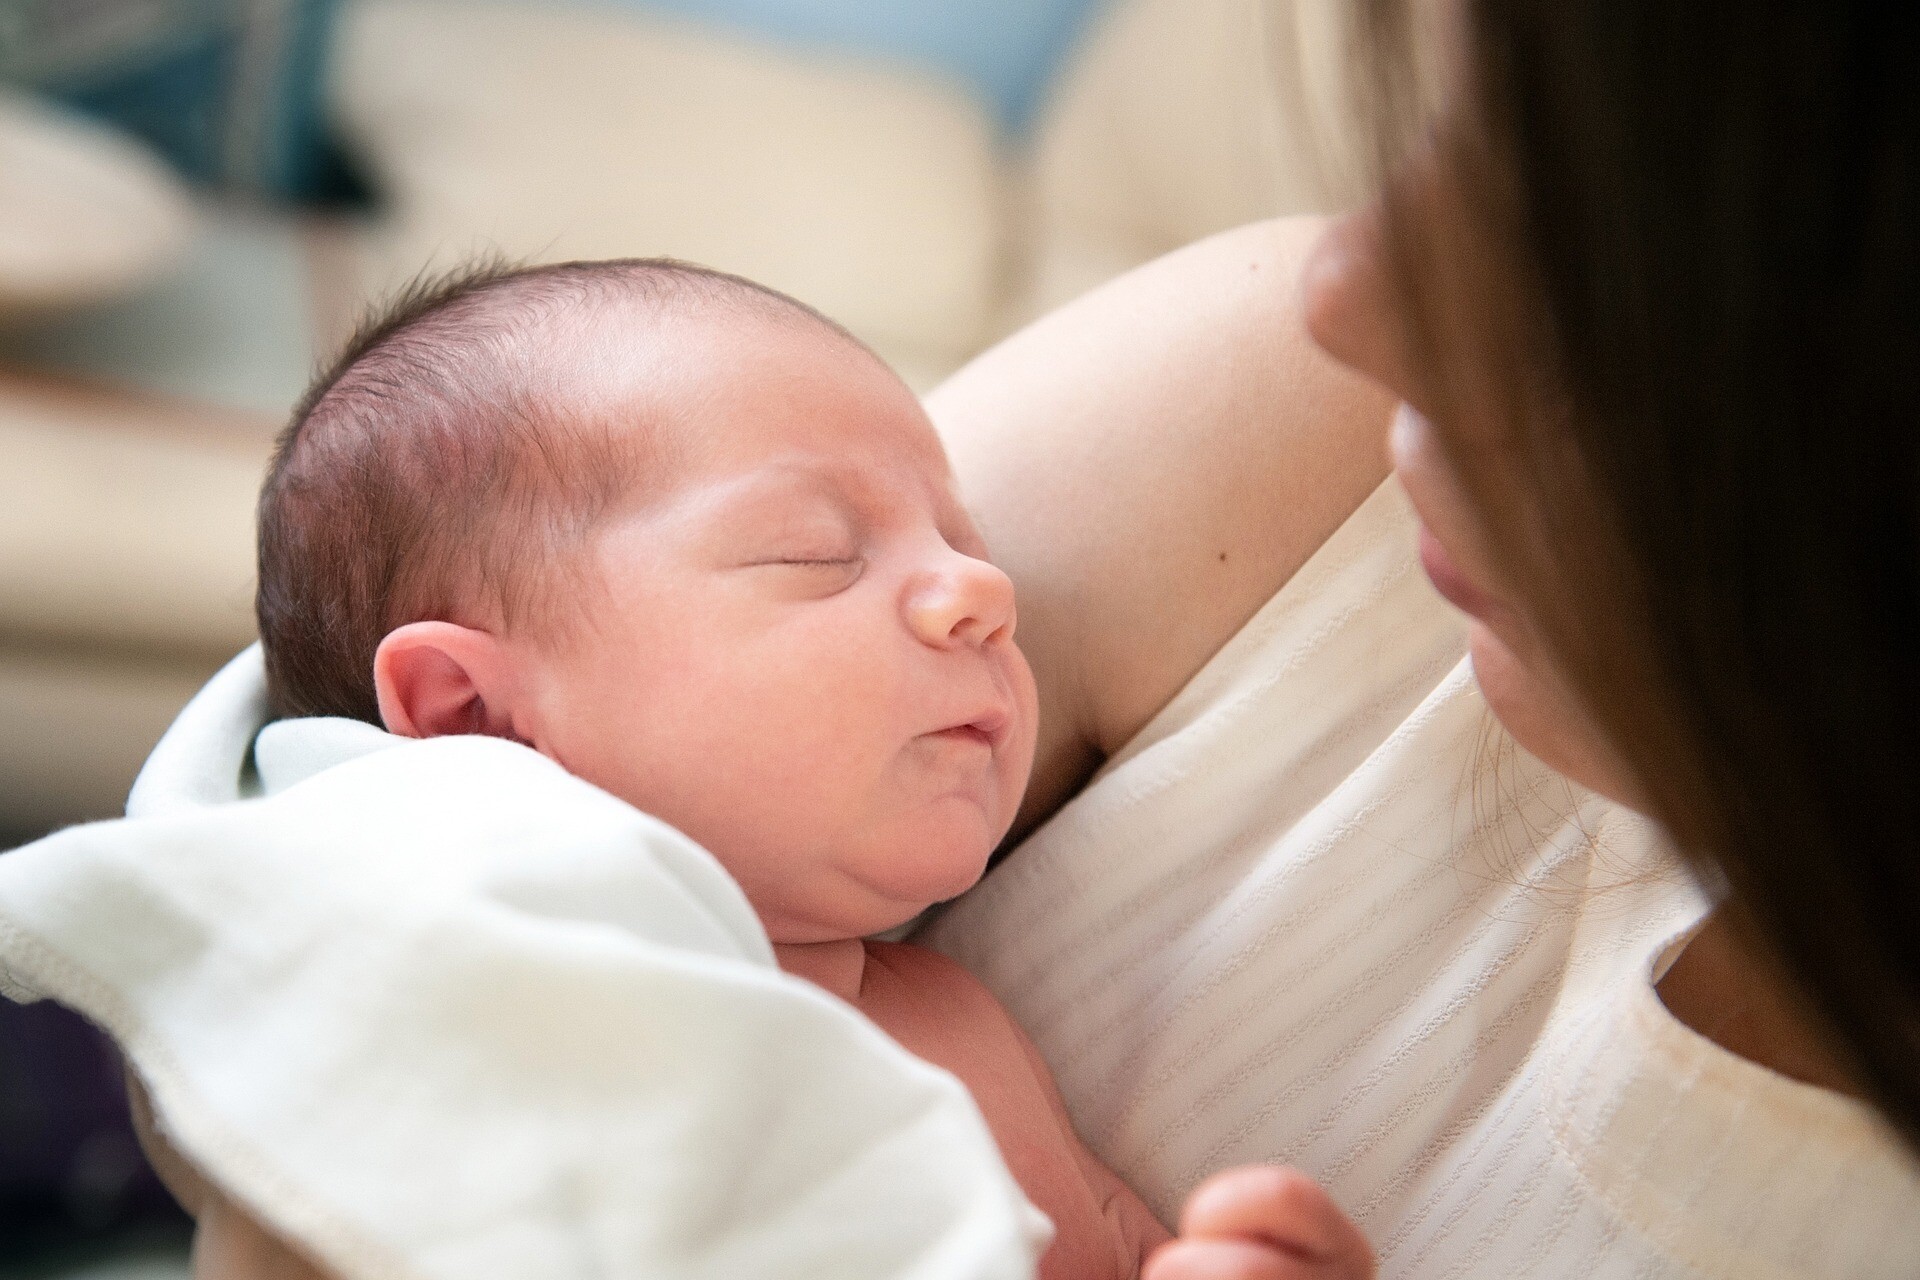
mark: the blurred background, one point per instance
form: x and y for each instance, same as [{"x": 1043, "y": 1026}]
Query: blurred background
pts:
[{"x": 198, "y": 197}]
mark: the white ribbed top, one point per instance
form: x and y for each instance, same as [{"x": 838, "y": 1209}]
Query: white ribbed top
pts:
[{"x": 1322, "y": 911}]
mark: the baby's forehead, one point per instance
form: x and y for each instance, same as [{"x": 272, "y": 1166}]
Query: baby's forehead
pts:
[
  {"x": 678, "y": 355},
  {"x": 710, "y": 394},
  {"x": 680, "y": 327}
]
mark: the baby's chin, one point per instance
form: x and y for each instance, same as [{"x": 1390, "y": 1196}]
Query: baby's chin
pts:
[
  {"x": 943, "y": 868},
  {"x": 885, "y": 898}
]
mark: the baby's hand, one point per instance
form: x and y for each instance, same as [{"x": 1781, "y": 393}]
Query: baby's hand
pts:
[{"x": 1262, "y": 1222}]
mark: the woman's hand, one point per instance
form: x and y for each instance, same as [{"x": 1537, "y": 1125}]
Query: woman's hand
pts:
[{"x": 1262, "y": 1222}]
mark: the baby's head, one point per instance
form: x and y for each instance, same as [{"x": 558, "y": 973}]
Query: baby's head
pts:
[{"x": 682, "y": 535}]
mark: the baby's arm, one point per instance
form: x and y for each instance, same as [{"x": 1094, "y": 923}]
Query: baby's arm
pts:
[
  {"x": 942, "y": 1013},
  {"x": 228, "y": 1242},
  {"x": 1263, "y": 1222},
  {"x": 1138, "y": 1231},
  {"x": 1258, "y": 1222}
]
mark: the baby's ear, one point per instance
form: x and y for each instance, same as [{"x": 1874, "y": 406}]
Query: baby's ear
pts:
[{"x": 440, "y": 678}]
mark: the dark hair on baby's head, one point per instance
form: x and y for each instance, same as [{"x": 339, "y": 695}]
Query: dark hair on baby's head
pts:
[{"x": 439, "y": 467}]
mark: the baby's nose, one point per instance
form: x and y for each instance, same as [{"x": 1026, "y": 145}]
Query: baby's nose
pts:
[{"x": 962, "y": 602}]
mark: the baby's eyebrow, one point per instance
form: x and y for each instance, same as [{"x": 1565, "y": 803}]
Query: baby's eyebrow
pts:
[
  {"x": 804, "y": 488},
  {"x": 861, "y": 495}
]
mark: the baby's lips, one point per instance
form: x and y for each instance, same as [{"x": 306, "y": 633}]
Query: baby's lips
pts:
[{"x": 988, "y": 727}]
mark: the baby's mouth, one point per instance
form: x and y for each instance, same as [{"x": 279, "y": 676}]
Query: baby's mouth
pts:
[
  {"x": 986, "y": 729},
  {"x": 965, "y": 733}
]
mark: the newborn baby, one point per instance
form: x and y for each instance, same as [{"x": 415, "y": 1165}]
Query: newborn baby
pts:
[{"x": 699, "y": 546}]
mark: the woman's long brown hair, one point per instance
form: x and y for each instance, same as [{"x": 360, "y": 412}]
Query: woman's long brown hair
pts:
[{"x": 1705, "y": 322}]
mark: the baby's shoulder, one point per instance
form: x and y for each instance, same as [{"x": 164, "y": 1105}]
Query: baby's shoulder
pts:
[
  {"x": 904, "y": 962},
  {"x": 903, "y": 982}
]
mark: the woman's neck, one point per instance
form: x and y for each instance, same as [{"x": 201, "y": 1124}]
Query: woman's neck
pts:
[{"x": 1727, "y": 994}]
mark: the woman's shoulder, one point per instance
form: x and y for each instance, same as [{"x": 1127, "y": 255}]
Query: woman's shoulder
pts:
[{"x": 1150, "y": 464}]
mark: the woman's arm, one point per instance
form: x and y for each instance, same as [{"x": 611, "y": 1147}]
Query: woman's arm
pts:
[{"x": 1150, "y": 463}]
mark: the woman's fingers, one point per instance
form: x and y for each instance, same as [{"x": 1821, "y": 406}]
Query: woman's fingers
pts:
[
  {"x": 1282, "y": 1208},
  {"x": 1229, "y": 1260}
]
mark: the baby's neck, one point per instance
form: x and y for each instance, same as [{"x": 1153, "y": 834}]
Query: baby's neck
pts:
[{"x": 837, "y": 966}]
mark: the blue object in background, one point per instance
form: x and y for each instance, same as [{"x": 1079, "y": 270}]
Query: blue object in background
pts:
[
  {"x": 228, "y": 90},
  {"x": 1006, "y": 51},
  {"x": 231, "y": 90}
]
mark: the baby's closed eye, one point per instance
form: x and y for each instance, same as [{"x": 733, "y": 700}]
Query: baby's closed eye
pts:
[
  {"x": 810, "y": 574},
  {"x": 803, "y": 542}
]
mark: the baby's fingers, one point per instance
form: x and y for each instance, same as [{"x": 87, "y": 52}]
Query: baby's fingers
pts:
[
  {"x": 1228, "y": 1260},
  {"x": 1280, "y": 1207}
]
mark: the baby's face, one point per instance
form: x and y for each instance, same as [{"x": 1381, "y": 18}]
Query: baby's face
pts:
[{"x": 801, "y": 656}]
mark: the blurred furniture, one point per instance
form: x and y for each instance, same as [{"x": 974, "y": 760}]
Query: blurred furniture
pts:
[
  {"x": 227, "y": 90},
  {"x": 1179, "y": 119},
  {"x": 87, "y": 211},
  {"x": 134, "y": 427}
]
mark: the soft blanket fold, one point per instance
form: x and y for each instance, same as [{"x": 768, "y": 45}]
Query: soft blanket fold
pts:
[{"x": 440, "y": 1009}]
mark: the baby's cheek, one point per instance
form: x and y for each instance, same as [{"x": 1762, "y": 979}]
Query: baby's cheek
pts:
[{"x": 1018, "y": 752}]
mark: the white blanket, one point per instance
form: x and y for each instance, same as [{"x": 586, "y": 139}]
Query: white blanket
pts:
[{"x": 440, "y": 1009}]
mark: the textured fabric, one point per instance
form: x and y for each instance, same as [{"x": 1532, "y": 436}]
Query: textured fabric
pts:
[
  {"x": 440, "y": 1009},
  {"x": 1321, "y": 911}
]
